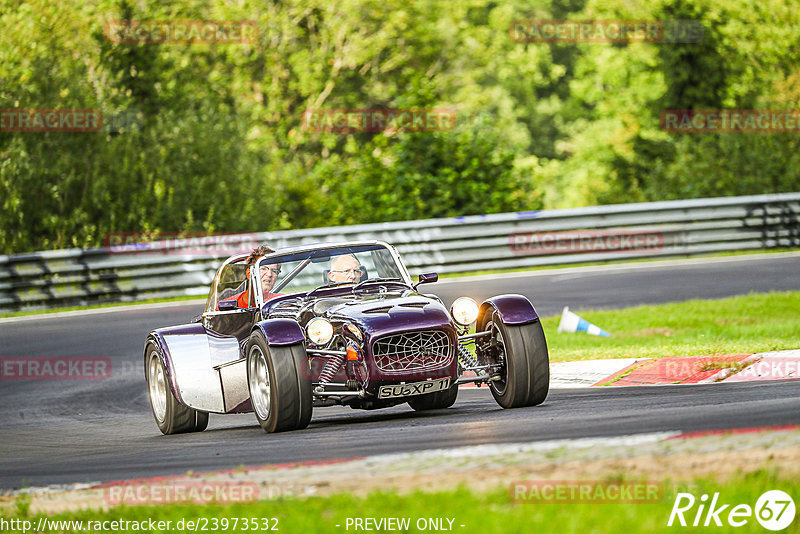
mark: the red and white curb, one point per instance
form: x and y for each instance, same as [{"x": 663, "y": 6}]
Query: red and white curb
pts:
[
  {"x": 778, "y": 365},
  {"x": 586, "y": 373}
]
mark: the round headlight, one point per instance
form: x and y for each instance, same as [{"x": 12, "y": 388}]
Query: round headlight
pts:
[
  {"x": 464, "y": 311},
  {"x": 320, "y": 330}
]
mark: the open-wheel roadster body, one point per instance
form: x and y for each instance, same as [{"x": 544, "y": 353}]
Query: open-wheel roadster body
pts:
[{"x": 308, "y": 341}]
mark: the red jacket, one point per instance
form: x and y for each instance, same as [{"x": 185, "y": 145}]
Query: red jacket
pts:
[{"x": 243, "y": 298}]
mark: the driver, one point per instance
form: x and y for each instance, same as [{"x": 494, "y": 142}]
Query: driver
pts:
[{"x": 345, "y": 268}]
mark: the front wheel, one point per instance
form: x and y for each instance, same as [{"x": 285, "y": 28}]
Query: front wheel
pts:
[
  {"x": 280, "y": 384},
  {"x": 171, "y": 416},
  {"x": 524, "y": 378}
]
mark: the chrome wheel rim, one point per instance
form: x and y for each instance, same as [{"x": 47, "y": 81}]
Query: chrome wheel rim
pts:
[
  {"x": 258, "y": 378},
  {"x": 157, "y": 385}
]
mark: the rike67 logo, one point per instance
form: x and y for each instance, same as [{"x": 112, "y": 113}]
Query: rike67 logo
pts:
[{"x": 774, "y": 510}]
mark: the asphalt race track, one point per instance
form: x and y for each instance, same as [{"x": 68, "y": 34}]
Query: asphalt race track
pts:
[{"x": 54, "y": 432}]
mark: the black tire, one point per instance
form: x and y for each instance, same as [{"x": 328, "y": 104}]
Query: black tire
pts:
[
  {"x": 526, "y": 375},
  {"x": 171, "y": 416},
  {"x": 435, "y": 401},
  {"x": 280, "y": 384}
]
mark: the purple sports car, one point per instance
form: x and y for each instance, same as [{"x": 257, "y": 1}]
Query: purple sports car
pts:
[{"x": 326, "y": 324}]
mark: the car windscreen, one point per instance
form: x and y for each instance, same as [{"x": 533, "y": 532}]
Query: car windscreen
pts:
[
  {"x": 304, "y": 271},
  {"x": 230, "y": 282}
]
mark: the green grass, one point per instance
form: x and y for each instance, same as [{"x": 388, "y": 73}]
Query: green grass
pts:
[
  {"x": 751, "y": 323},
  {"x": 480, "y": 512}
]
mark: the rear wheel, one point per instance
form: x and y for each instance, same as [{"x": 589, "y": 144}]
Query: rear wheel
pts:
[
  {"x": 524, "y": 378},
  {"x": 171, "y": 416},
  {"x": 279, "y": 384},
  {"x": 435, "y": 401}
]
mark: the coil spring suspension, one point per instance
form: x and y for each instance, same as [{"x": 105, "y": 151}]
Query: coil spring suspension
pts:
[
  {"x": 331, "y": 366},
  {"x": 352, "y": 384},
  {"x": 466, "y": 358}
]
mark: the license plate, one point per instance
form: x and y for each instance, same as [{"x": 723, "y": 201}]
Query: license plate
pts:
[{"x": 416, "y": 388}]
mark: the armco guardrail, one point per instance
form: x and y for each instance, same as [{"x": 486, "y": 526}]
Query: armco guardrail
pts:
[{"x": 460, "y": 244}]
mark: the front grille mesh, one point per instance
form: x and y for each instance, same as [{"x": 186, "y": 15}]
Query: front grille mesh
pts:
[{"x": 413, "y": 351}]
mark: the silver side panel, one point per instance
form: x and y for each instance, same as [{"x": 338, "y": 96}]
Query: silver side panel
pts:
[
  {"x": 234, "y": 384},
  {"x": 198, "y": 381},
  {"x": 223, "y": 350}
]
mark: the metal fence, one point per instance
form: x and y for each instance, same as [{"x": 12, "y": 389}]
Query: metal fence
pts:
[{"x": 128, "y": 272}]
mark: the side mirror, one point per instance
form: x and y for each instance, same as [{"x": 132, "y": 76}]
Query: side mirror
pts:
[
  {"x": 427, "y": 278},
  {"x": 227, "y": 305}
]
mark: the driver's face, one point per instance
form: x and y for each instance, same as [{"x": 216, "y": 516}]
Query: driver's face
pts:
[{"x": 269, "y": 275}]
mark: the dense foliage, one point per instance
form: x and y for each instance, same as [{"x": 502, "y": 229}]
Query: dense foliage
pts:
[{"x": 209, "y": 137}]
